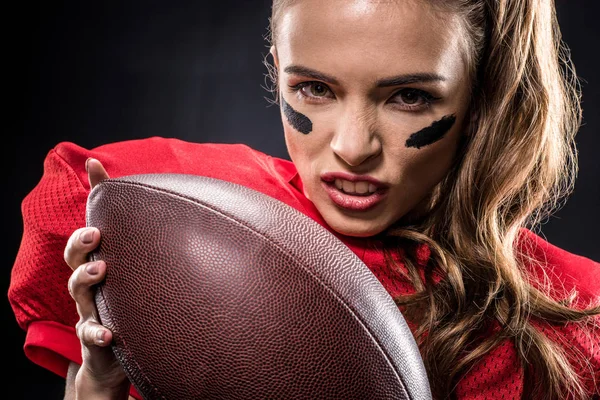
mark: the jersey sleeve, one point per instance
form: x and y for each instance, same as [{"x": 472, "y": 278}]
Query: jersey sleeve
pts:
[
  {"x": 562, "y": 274},
  {"x": 559, "y": 273},
  {"x": 38, "y": 291}
]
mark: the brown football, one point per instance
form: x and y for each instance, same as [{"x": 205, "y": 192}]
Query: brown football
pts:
[{"x": 216, "y": 291}]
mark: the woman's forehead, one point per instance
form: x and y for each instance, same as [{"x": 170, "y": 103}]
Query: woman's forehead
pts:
[
  {"x": 369, "y": 17},
  {"x": 382, "y": 36}
]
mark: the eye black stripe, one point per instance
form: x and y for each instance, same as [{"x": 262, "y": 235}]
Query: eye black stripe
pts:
[
  {"x": 432, "y": 133},
  {"x": 299, "y": 121}
]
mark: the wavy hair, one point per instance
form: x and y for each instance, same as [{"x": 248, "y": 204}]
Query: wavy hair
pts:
[{"x": 516, "y": 167}]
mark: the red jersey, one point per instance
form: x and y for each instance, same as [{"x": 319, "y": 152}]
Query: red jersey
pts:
[{"x": 55, "y": 208}]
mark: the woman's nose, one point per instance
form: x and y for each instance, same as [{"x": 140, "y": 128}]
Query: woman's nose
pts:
[{"x": 356, "y": 139}]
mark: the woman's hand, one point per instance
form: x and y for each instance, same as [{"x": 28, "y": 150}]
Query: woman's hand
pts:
[{"x": 100, "y": 375}]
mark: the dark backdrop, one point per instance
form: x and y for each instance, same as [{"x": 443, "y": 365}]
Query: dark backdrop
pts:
[{"x": 94, "y": 73}]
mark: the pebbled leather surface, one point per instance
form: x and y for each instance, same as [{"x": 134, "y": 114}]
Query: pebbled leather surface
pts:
[{"x": 216, "y": 291}]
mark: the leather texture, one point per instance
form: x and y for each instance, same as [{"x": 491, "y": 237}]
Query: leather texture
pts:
[{"x": 216, "y": 291}]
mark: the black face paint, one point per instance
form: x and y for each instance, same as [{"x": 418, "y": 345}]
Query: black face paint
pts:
[
  {"x": 432, "y": 133},
  {"x": 299, "y": 121}
]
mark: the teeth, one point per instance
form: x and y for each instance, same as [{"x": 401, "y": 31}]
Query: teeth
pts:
[
  {"x": 361, "y": 187},
  {"x": 349, "y": 187},
  {"x": 355, "y": 187}
]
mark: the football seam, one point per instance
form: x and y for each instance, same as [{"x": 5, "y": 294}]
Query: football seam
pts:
[{"x": 287, "y": 253}]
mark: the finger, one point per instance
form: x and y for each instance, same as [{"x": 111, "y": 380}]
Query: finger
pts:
[
  {"x": 80, "y": 244},
  {"x": 96, "y": 171},
  {"x": 81, "y": 287},
  {"x": 91, "y": 333}
]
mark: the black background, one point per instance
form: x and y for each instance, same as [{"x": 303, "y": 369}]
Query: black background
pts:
[{"x": 93, "y": 73}]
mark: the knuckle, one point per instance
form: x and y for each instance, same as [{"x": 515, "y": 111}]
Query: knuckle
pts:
[
  {"x": 83, "y": 278},
  {"x": 71, "y": 248},
  {"x": 85, "y": 333},
  {"x": 81, "y": 330},
  {"x": 79, "y": 327},
  {"x": 71, "y": 284},
  {"x": 67, "y": 252}
]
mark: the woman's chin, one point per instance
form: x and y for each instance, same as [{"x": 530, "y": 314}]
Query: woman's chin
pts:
[
  {"x": 355, "y": 228},
  {"x": 354, "y": 223}
]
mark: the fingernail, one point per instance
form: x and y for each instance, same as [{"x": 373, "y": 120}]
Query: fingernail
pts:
[
  {"x": 92, "y": 268},
  {"x": 86, "y": 164},
  {"x": 87, "y": 236},
  {"x": 100, "y": 336}
]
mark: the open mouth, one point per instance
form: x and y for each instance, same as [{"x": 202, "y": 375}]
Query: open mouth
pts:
[
  {"x": 354, "y": 198},
  {"x": 354, "y": 188}
]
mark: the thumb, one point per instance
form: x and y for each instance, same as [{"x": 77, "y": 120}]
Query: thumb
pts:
[{"x": 96, "y": 172}]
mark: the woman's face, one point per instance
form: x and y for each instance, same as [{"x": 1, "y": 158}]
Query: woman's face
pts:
[{"x": 374, "y": 96}]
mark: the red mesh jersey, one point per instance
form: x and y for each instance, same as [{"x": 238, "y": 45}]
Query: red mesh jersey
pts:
[{"x": 56, "y": 207}]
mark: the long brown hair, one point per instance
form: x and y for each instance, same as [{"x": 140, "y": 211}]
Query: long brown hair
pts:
[{"x": 516, "y": 167}]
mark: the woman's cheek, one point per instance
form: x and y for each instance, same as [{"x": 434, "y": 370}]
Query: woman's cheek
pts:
[
  {"x": 424, "y": 168},
  {"x": 306, "y": 135}
]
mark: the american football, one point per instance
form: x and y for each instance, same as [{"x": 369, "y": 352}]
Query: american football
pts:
[{"x": 216, "y": 291}]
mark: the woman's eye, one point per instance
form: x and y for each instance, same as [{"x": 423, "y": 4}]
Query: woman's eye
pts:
[
  {"x": 318, "y": 89},
  {"x": 313, "y": 90},
  {"x": 409, "y": 96},
  {"x": 414, "y": 98}
]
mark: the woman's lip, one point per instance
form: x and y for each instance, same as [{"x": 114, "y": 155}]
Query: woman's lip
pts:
[
  {"x": 353, "y": 202},
  {"x": 330, "y": 177}
]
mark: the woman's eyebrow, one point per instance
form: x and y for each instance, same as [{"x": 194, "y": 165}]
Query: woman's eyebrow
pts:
[
  {"x": 410, "y": 78},
  {"x": 311, "y": 73},
  {"x": 385, "y": 82}
]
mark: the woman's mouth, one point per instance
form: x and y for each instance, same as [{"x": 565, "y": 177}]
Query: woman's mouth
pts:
[
  {"x": 355, "y": 188},
  {"x": 354, "y": 194}
]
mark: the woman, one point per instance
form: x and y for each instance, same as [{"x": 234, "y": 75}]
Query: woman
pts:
[{"x": 435, "y": 131}]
